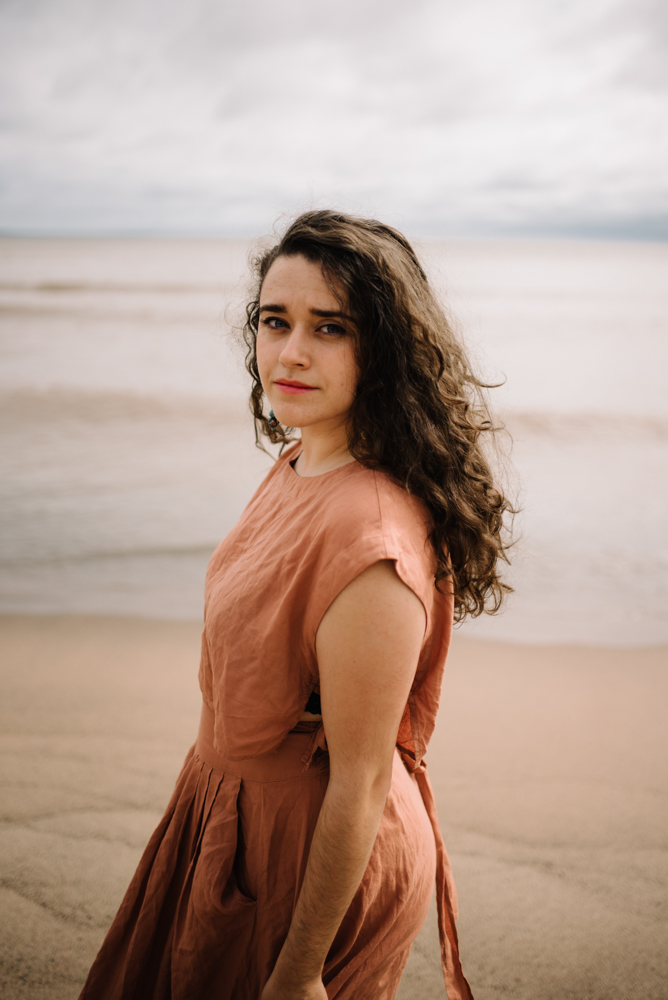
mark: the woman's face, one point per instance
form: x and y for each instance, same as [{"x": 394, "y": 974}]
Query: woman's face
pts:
[{"x": 305, "y": 346}]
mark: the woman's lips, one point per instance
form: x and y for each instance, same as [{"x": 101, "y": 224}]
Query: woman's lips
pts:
[{"x": 294, "y": 388}]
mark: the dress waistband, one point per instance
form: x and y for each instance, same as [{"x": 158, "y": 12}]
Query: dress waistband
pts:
[{"x": 287, "y": 761}]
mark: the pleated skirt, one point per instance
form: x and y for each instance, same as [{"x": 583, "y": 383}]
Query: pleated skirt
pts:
[{"x": 211, "y": 902}]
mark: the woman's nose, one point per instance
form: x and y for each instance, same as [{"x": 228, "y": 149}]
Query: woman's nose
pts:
[{"x": 295, "y": 350}]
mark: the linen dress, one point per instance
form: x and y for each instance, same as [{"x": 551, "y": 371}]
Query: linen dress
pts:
[{"x": 210, "y": 905}]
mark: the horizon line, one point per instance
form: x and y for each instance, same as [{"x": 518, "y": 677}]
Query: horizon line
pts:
[{"x": 583, "y": 234}]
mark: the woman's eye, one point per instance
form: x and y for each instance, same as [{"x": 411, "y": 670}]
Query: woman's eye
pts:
[
  {"x": 332, "y": 329},
  {"x": 273, "y": 322}
]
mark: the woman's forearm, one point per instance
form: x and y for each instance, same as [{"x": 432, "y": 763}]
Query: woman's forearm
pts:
[
  {"x": 368, "y": 645},
  {"x": 342, "y": 842}
]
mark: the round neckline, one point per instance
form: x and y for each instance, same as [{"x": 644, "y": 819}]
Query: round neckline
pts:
[
  {"x": 321, "y": 475},
  {"x": 294, "y": 485}
]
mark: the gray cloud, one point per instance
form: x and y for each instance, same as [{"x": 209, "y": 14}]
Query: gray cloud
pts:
[{"x": 467, "y": 116}]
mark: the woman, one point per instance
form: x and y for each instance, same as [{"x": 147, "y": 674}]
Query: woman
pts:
[{"x": 297, "y": 857}]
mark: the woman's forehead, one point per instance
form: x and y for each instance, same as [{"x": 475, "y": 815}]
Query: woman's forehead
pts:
[{"x": 293, "y": 278}]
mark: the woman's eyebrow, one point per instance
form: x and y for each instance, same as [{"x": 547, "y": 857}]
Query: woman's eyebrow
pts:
[
  {"x": 329, "y": 314},
  {"x": 322, "y": 313}
]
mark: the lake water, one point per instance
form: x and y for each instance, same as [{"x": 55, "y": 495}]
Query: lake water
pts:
[{"x": 127, "y": 449}]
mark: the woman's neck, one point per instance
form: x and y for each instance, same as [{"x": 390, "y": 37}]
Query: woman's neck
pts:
[{"x": 323, "y": 449}]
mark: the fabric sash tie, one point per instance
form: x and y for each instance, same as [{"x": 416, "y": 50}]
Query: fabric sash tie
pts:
[{"x": 456, "y": 985}]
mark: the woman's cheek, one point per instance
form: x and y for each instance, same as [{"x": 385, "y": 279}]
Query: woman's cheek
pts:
[
  {"x": 263, "y": 359},
  {"x": 351, "y": 378}
]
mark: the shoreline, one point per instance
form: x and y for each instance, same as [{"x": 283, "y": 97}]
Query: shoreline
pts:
[
  {"x": 468, "y": 634},
  {"x": 549, "y": 765}
]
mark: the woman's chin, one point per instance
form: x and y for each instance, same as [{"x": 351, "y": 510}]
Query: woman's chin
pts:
[
  {"x": 294, "y": 416},
  {"x": 300, "y": 416}
]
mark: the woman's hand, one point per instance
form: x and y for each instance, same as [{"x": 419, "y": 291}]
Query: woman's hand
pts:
[{"x": 277, "y": 990}]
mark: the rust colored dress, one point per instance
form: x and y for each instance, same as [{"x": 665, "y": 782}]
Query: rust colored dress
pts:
[{"x": 210, "y": 905}]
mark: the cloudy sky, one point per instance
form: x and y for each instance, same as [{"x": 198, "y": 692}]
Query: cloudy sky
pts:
[{"x": 454, "y": 117}]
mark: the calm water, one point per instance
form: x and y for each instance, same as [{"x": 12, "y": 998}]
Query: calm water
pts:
[{"x": 127, "y": 450}]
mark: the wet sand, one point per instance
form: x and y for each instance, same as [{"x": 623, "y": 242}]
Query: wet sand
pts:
[{"x": 549, "y": 765}]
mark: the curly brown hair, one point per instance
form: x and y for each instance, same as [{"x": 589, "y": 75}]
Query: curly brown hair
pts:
[{"x": 419, "y": 411}]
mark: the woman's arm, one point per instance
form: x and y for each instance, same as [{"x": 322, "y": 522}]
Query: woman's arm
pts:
[{"x": 368, "y": 646}]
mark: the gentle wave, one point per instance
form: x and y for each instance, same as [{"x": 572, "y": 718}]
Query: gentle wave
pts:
[
  {"x": 101, "y": 555},
  {"x": 105, "y": 287},
  {"x": 582, "y": 425},
  {"x": 60, "y": 403},
  {"x": 63, "y": 403}
]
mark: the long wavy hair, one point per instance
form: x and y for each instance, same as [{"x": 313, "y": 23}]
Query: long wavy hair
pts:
[{"x": 419, "y": 411}]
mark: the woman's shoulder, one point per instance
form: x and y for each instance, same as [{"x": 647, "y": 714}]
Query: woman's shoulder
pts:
[
  {"x": 351, "y": 509},
  {"x": 367, "y": 508},
  {"x": 364, "y": 516},
  {"x": 377, "y": 493}
]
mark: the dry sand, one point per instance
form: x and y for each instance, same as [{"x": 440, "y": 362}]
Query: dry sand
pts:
[{"x": 549, "y": 765}]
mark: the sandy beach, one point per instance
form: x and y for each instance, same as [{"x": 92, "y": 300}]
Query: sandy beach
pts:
[{"x": 549, "y": 765}]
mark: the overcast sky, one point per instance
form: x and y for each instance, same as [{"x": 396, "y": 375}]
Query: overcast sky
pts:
[{"x": 455, "y": 117}]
